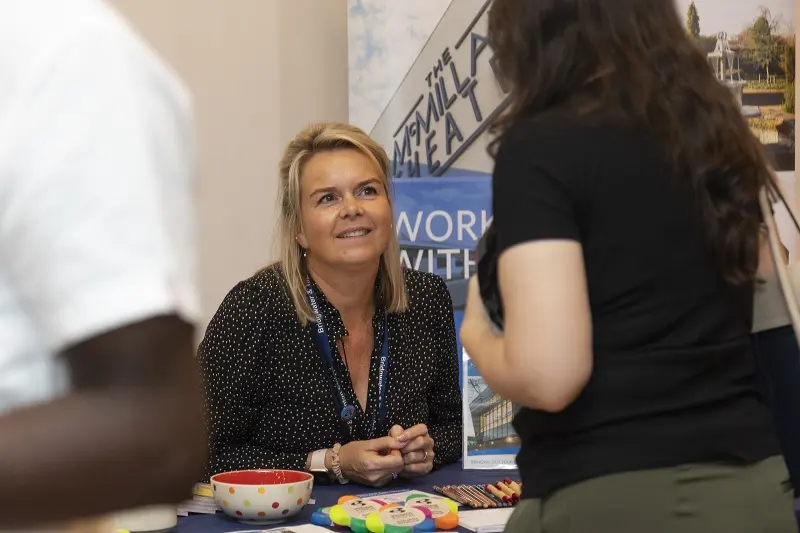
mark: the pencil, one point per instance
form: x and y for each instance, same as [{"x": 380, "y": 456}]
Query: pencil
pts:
[
  {"x": 476, "y": 499},
  {"x": 508, "y": 490},
  {"x": 454, "y": 494},
  {"x": 450, "y": 494},
  {"x": 505, "y": 488},
  {"x": 484, "y": 489},
  {"x": 497, "y": 493},
  {"x": 485, "y": 499},
  {"x": 514, "y": 486}
]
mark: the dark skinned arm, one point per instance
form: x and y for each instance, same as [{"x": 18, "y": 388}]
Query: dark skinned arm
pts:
[
  {"x": 96, "y": 233},
  {"x": 131, "y": 433}
]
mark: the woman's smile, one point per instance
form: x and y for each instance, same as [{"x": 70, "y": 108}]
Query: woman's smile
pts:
[{"x": 354, "y": 234}]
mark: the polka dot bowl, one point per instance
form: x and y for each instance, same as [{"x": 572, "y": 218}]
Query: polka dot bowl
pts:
[{"x": 262, "y": 496}]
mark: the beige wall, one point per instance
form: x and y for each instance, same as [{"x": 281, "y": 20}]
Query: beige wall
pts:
[{"x": 259, "y": 70}]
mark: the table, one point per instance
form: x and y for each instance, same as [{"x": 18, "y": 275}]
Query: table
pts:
[{"x": 327, "y": 495}]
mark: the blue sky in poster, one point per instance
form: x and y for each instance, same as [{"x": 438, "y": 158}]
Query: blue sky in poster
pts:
[{"x": 384, "y": 39}]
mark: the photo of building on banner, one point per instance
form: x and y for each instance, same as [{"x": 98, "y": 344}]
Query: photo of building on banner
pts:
[
  {"x": 489, "y": 438},
  {"x": 422, "y": 83}
]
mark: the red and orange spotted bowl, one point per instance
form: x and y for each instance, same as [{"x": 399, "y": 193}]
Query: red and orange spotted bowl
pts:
[{"x": 262, "y": 496}]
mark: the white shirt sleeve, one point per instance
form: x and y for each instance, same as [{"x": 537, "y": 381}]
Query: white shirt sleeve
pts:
[{"x": 96, "y": 201}]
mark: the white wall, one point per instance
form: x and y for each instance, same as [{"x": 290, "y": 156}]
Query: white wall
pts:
[{"x": 259, "y": 70}]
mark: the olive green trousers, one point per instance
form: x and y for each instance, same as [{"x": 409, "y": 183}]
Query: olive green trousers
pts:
[{"x": 692, "y": 498}]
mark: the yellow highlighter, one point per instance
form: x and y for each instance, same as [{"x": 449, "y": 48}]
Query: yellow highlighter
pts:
[{"x": 203, "y": 489}]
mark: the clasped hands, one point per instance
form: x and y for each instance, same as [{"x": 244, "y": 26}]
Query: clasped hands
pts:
[{"x": 403, "y": 453}]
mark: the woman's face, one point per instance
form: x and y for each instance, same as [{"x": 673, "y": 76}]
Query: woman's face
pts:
[{"x": 344, "y": 209}]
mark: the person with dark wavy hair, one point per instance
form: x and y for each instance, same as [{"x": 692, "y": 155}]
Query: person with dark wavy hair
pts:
[{"x": 625, "y": 199}]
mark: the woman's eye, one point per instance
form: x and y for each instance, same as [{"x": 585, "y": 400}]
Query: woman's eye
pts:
[
  {"x": 327, "y": 198},
  {"x": 369, "y": 190}
]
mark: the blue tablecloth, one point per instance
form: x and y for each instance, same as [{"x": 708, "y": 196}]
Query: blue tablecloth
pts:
[{"x": 327, "y": 495}]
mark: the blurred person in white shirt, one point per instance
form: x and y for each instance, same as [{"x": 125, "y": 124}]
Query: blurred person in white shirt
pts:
[{"x": 100, "y": 407}]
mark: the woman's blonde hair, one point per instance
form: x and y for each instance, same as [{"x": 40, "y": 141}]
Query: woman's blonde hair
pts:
[{"x": 324, "y": 137}]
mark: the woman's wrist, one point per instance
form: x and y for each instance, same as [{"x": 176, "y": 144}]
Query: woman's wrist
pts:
[
  {"x": 338, "y": 467},
  {"x": 317, "y": 461},
  {"x": 344, "y": 461}
]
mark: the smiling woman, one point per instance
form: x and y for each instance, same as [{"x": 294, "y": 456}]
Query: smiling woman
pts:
[{"x": 334, "y": 360}]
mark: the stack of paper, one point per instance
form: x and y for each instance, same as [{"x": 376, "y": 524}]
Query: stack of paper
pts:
[
  {"x": 486, "y": 520},
  {"x": 202, "y": 501}
]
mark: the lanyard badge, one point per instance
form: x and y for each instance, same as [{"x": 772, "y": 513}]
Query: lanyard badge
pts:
[{"x": 348, "y": 410}]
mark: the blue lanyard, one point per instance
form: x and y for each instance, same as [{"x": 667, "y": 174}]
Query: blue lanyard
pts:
[{"x": 323, "y": 340}]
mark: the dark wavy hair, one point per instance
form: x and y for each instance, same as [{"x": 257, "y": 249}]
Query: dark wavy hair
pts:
[{"x": 631, "y": 62}]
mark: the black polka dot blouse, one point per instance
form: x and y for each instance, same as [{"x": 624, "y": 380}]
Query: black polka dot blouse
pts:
[{"x": 269, "y": 395}]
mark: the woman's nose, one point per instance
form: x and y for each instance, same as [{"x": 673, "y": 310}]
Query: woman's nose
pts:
[{"x": 351, "y": 207}]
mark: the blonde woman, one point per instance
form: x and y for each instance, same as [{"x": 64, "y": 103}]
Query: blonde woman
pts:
[{"x": 334, "y": 359}]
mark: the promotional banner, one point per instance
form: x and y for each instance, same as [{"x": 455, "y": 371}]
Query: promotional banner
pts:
[{"x": 422, "y": 83}]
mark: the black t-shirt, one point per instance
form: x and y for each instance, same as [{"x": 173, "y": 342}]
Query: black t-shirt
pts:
[{"x": 673, "y": 376}]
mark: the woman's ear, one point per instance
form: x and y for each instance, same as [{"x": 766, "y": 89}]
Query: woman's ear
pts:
[{"x": 301, "y": 239}]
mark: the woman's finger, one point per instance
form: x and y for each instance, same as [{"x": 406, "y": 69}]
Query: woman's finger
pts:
[
  {"x": 420, "y": 456},
  {"x": 412, "y": 433},
  {"x": 419, "y": 443},
  {"x": 414, "y": 457},
  {"x": 417, "y": 469}
]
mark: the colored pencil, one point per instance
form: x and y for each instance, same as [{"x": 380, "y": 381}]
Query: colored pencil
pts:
[
  {"x": 474, "y": 497},
  {"x": 498, "y": 493},
  {"x": 514, "y": 486},
  {"x": 480, "y": 497},
  {"x": 484, "y": 489},
  {"x": 505, "y": 488},
  {"x": 445, "y": 491},
  {"x": 453, "y": 492},
  {"x": 480, "y": 493},
  {"x": 504, "y": 493}
]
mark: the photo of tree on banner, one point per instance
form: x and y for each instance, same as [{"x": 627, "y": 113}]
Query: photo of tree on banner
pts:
[{"x": 751, "y": 48}]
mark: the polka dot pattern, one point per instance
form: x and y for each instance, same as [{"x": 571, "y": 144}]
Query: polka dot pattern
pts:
[{"x": 268, "y": 396}]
